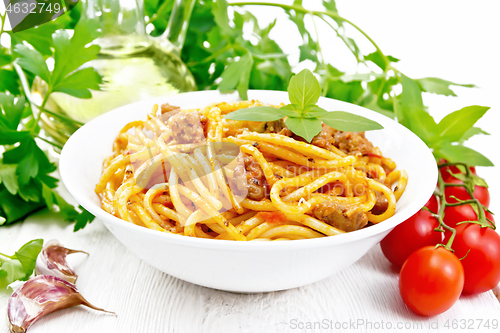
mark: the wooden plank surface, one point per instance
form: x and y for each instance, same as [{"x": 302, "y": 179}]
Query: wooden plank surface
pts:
[{"x": 361, "y": 298}]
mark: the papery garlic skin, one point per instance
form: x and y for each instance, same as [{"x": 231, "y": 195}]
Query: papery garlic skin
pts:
[
  {"x": 52, "y": 261},
  {"x": 39, "y": 297}
]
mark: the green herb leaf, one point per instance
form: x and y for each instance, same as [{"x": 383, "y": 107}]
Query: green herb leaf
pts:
[
  {"x": 32, "y": 61},
  {"x": 11, "y": 111},
  {"x": 8, "y": 177},
  {"x": 470, "y": 133},
  {"x": 379, "y": 59},
  {"x": 456, "y": 124},
  {"x": 20, "y": 266},
  {"x": 460, "y": 153},
  {"x": 304, "y": 89},
  {"x": 345, "y": 121},
  {"x": 28, "y": 253},
  {"x": 314, "y": 112},
  {"x": 236, "y": 75},
  {"x": 79, "y": 83},
  {"x": 306, "y": 128},
  {"x": 83, "y": 219},
  {"x": 257, "y": 113},
  {"x": 439, "y": 86},
  {"x": 410, "y": 101}
]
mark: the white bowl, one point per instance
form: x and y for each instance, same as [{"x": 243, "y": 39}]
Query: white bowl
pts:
[{"x": 243, "y": 266}]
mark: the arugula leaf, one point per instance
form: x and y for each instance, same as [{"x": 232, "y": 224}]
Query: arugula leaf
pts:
[
  {"x": 458, "y": 153},
  {"x": 304, "y": 89},
  {"x": 470, "y": 133},
  {"x": 236, "y": 75},
  {"x": 453, "y": 126},
  {"x": 439, "y": 86},
  {"x": 306, "y": 128},
  {"x": 258, "y": 113},
  {"x": 378, "y": 59},
  {"x": 20, "y": 266},
  {"x": 345, "y": 121}
]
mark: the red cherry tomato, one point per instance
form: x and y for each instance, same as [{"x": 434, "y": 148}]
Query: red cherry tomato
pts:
[
  {"x": 446, "y": 174},
  {"x": 412, "y": 234},
  {"x": 482, "y": 263},
  {"x": 481, "y": 193},
  {"x": 456, "y": 214},
  {"x": 431, "y": 280}
]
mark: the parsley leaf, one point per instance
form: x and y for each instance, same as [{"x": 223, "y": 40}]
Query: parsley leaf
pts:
[{"x": 83, "y": 219}]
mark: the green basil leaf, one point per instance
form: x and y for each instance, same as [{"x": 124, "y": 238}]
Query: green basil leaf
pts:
[
  {"x": 456, "y": 124},
  {"x": 28, "y": 253},
  {"x": 304, "y": 89},
  {"x": 32, "y": 61},
  {"x": 439, "y": 86},
  {"x": 460, "y": 153},
  {"x": 314, "y": 112},
  {"x": 345, "y": 121},
  {"x": 470, "y": 133},
  {"x": 257, "y": 113},
  {"x": 306, "y": 128}
]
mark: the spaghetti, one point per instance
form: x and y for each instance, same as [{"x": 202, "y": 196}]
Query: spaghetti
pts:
[{"x": 194, "y": 173}]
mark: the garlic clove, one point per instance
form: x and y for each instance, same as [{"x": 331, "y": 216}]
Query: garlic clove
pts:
[
  {"x": 39, "y": 297},
  {"x": 52, "y": 261}
]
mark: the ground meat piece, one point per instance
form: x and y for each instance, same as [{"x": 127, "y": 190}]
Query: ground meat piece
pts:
[
  {"x": 274, "y": 126},
  {"x": 256, "y": 183},
  {"x": 186, "y": 127},
  {"x": 168, "y": 108},
  {"x": 381, "y": 204},
  {"x": 352, "y": 143},
  {"x": 341, "y": 216}
]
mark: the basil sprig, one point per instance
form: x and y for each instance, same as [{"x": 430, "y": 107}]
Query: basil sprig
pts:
[{"x": 304, "y": 117}]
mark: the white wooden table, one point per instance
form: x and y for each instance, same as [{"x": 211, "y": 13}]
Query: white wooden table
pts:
[
  {"x": 362, "y": 298},
  {"x": 455, "y": 40}
]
